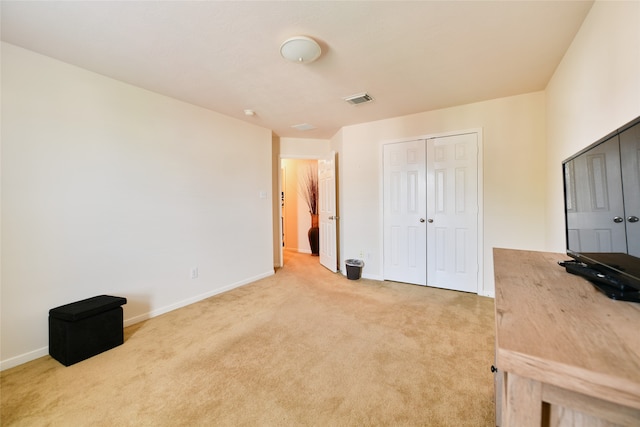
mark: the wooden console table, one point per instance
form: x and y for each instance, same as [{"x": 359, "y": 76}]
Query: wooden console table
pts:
[{"x": 566, "y": 354}]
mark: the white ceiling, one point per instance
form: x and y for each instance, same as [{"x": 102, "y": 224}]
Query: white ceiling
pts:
[{"x": 224, "y": 55}]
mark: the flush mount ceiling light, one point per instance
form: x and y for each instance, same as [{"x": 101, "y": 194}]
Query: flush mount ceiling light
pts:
[
  {"x": 300, "y": 49},
  {"x": 303, "y": 127}
]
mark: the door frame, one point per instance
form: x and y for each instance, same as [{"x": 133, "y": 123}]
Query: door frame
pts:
[
  {"x": 280, "y": 240},
  {"x": 480, "y": 246}
]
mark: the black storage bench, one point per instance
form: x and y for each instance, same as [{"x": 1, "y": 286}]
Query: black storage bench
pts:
[{"x": 85, "y": 328}]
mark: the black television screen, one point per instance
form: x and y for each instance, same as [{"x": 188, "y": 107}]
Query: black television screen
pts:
[{"x": 602, "y": 212}]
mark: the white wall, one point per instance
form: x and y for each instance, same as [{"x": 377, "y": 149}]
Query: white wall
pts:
[
  {"x": 595, "y": 89},
  {"x": 514, "y": 175},
  {"x": 111, "y": 189},
  {"x": 107, "y": 188},
  {"x": 303, "y": 148}
]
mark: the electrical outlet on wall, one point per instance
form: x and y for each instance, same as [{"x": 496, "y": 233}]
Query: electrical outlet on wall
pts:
[{"x": 194, "y": 273}]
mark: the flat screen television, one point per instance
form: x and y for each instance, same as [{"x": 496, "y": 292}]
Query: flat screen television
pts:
[{"x": 602, "y": 213}]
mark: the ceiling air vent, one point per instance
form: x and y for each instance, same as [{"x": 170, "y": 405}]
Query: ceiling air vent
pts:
[{"x": 360, "y": 98}]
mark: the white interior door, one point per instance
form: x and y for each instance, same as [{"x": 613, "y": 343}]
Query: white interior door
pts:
[
  {"x": 404, "y": 212},
  {"x": 452, "y": 212},
  {"x": 328, "y": 219}
]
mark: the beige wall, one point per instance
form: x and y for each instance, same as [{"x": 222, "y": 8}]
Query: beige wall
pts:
[
  {"x": 594, "y": 90},
  {"x": 276, "y": 210},
  {"x": 107, "y": 188},
  {"x": 513, "y": 132},
  {"x": 111, "y": 189}
]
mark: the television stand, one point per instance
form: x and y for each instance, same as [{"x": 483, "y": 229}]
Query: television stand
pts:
[
  {"x": 608, "y": 285},
  {"x": 565, "y": 354}
]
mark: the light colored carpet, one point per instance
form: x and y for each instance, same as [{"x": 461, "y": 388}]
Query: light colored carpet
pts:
[{"x": 303, "y": 347}]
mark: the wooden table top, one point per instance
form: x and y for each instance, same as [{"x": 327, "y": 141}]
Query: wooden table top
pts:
[{"x": 555, "y": 327}]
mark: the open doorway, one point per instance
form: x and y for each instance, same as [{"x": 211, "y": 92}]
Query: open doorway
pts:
[{"x": 296, "y": 218}]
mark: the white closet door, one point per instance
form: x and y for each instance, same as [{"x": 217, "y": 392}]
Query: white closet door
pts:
[
  {"x": 404, "y": 212},
  {"x": 452, "y": 212}
]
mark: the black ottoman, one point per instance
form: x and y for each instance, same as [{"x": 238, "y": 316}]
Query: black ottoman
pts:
[{"x": 85, "y": 328}]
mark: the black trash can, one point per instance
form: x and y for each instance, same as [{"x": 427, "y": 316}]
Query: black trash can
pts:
[{"x": 354, "y": 268}]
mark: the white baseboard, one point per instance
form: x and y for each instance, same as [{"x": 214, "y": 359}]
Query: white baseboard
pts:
[
  {"x": 44, "y": 351},
  {"x": 365, "y": 276},
  {"x": 23, "y": 358},
  {"x": 162, "y": 310}
]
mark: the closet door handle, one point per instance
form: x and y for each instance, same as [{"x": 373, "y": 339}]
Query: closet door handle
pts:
[
  {"x": 421, "y": 219},
  {"x": 632, "y": 219},
  {"x": 617, "y": 219}
]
